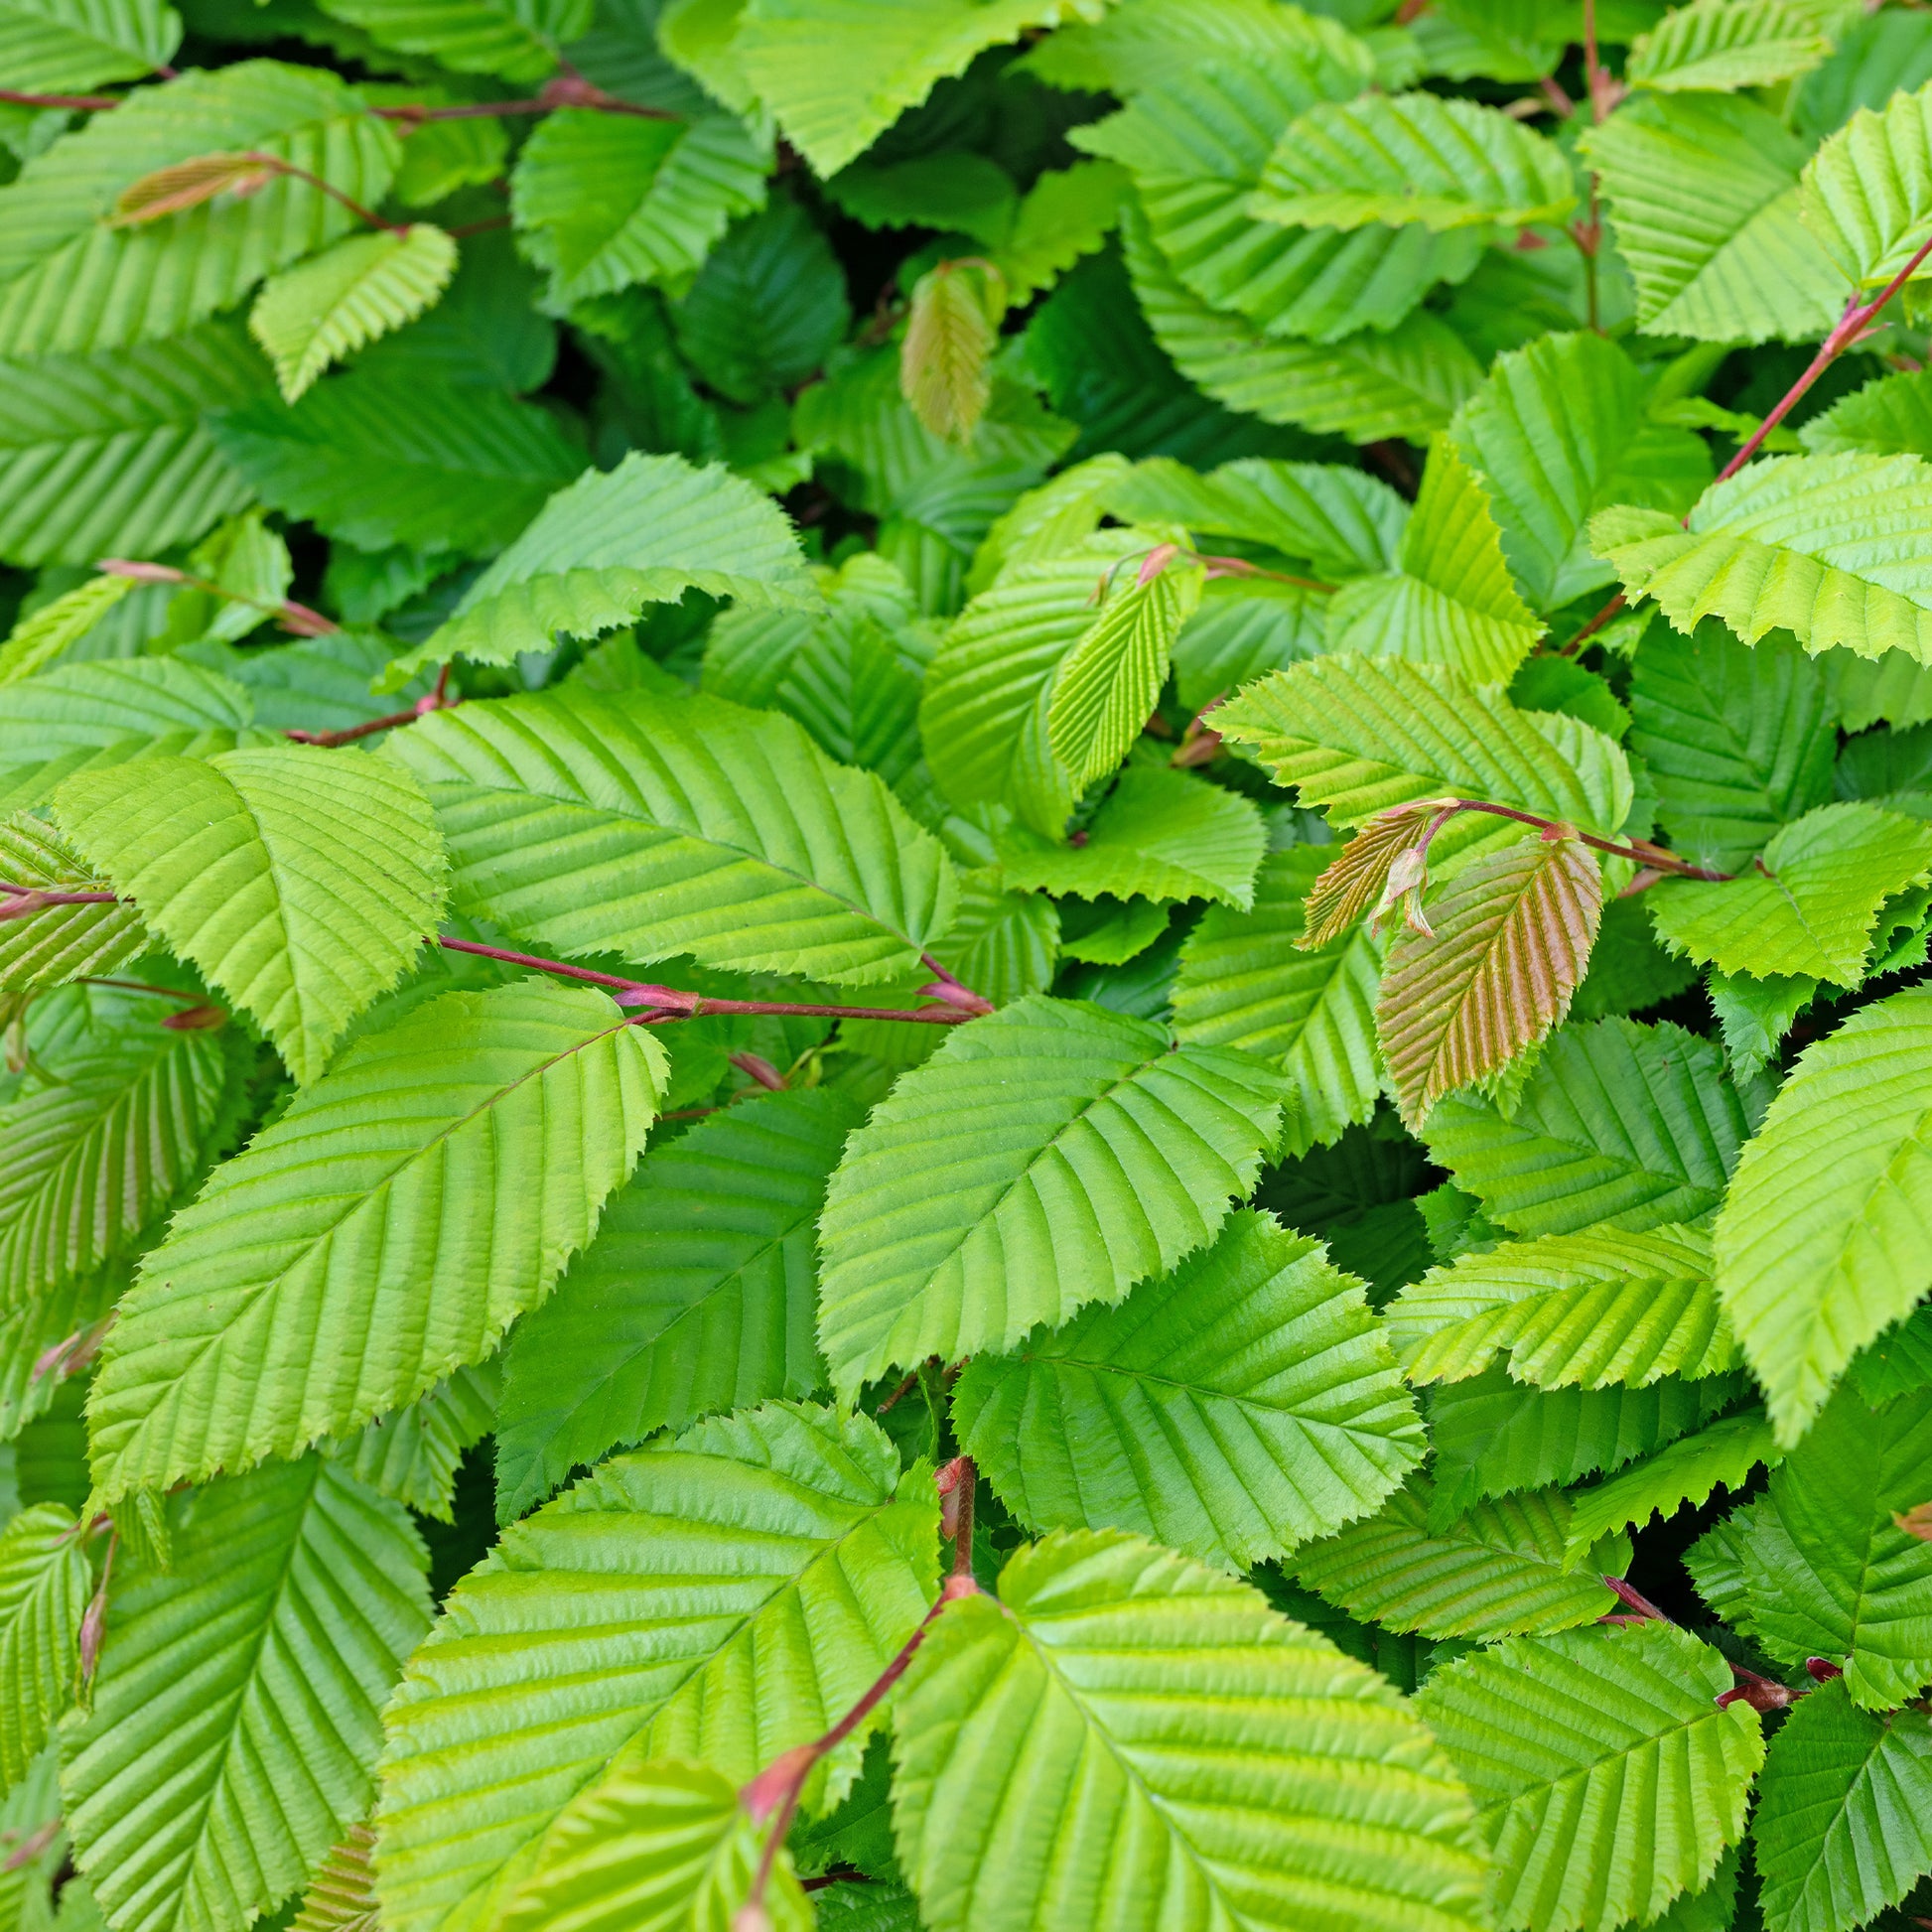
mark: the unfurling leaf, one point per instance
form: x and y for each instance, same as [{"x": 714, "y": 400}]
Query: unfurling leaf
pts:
[
  {"x": 946, "y": 363},
  {"x": 1511, "y": 943},
  {"x": 188, "y": 184},
  {"x": 1356, "y": 876}
]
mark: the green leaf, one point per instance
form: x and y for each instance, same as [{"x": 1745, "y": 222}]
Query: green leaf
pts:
[
  {"x": 336, "y": 303},
  {"x": 660, "y": 1845},
  {"x": 1160, "y": 834},
  {"x": 1626, "y": 1125},
  {"x": 382, "y": 457},
  {"x": 1607, "y": 1779},
  {"x": 1067, "y": 212},
  {"x": 118, "y": 1124},
  {"x": 946, "y": 353},
  {"x": 612, "y": 542},
  {"x": 470, "y": 1148},
  {"x": 1493, "y": 1572},
  {"x": 1844, "y": 1824},
  {"x": 1369, "y": 385},
  {"x": 340, "y": 1897},
  {"x": 43, "y": 635},
  {"x": 515, "y": 39},
  {"x": 720, "y": 1597},
  {"x": 1867, "y": 194},
  {"x": 1817, "y": 545},
  {"x": 44, "y": 1582},
  {"x": 70, "y": 282},
  {"x": 1684, "y": 1471},
  {"x": 1412, "y": 157},
  {"x": 54, "y": 46},
  {"x": 412, "y": 1456},
  {"x": 1722, "y": 44},
  {"x": 1817, "y": 1255},
  {"x": 1057, "y": 1190},
  {"x": 300, "y": 881},
  {"x": 1069, "y": 1753},
  {"x": 1810, "y": 902},
  {"x": 699, "y": 1294},
  {"x": 1005, "y": 943},
  {"x": 112, "y": 451},
  {"x": 656, "y": 825},
  {"x": 1450, "y": 600},
  {"x": 606, "y": 200},
  {"x": 44, "y": 947},
  {"x": 264, "y": 1653},
  {"x": 1245, "y": 982},
  {"x": 1510, "y": 944},
  {"x": 1232, "y": 1408},
  {"x": 1589, "y": 1311},
  {"x": 1558, "y": 432},
  {"x": 1703, "y": 195}
]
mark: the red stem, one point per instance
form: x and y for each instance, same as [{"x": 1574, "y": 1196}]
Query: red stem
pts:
[
  {"x": 294, "y": 617},
  {"x": 1641, "y": 850},
  {"x": 82, "y": 103},
  {"x": 276, "y": 165}
]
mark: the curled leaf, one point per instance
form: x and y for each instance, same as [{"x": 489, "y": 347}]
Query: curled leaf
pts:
[
  {"x": 188, "y": 184},
  {"x": 1358, "y": 875}
]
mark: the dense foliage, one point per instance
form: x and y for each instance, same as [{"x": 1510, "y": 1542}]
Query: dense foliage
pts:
[{"x": 964, "y": 965}]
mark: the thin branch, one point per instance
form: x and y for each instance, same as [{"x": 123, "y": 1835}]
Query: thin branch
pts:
[
  {"x": 141, "y": 985},
  {"x": 1760, "y": 1692},
  {"x": 16, "y": 902},
  {"x": 430, "y": 701},
  {"x": 1640, "y": 850},
  {"x": 567, "y": 90},
  {"x": 1241, "y": 567},
  {"x": 277, "y": 165},
  {"x": 1590, "y": 631},
  {"x": 298, "y": 617},
  {"x": 79, "y": 104}
]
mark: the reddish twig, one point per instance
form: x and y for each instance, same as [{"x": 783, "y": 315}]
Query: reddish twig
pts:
[
  {"x": 1590, "y": 631},
  {"x": 1640, "y": 850},
  {"x": 1760, "y": 1693},
  {"x": 79, "y": 104},
  {"x": 567, "y": 90},
  {"x": 297, "y": 617},
  {"x": 428, "y": 702}
]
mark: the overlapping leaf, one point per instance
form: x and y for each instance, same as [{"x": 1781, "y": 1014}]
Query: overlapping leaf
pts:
[
  {"x": 1684, "y": 1471},
  {"x": 44, "y": 1582},
  {"x": 1721, "y": 46},
  {"x": 45, "y": 946}
]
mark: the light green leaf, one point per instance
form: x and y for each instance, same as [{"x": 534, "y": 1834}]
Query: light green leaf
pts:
[
  {"x": 612, "y": 542},
  {"x": 1867, "y": 194},
  {"x": 340, "y": 1895},
  {"x": 44, "y": 1582},
  {"x": 1003, "y": 943},
  {"x": 699, "y": 1294},
  {"x": 412, "y": 1456},
  {"x": 1724, "y": 45},
  {"x": 1493, "y": 1572},
  {"x": 1809, "y": 904},
  {"x": 1822, "y": 546},
  {"x": 515, "y": 39},
  {"x": 1844, "y": 1824},
  {"x": 470, "y": 1148},
  {"x": 945, "y": 370},
  {"x": 1817, "y": 1255},
  {"x": 712, "y": 830},
  {"x": 720, "y": 1597},
  {"x": 1232, "y": 1408},
  {"x": 1684, "y": 1471},
  {"x": 1588, "y": 1310},
  {"x": 1160, "y": 834},
  {"x": 1607, "y": 1779},
  {"x": 44, "y": 947},
  {"x": 1068, "y": 1754},
  {"x": 336, "y": 303},
  {"x": 1057, "y": 1190},
  {"x": 1412, "y": 157},
  {"x": 1703, "y": 195},
  {"x": 1627, "y": 1125},
  {"x": 1067, "y": 212},
  {"x": 1244, "y": 982},
  {"x": 46, "y": 634},
  {"x": 606, "y": 200},
  {"x": 265, "y": 1653},
  {"x": 300, "y": 881},
  {"x": 57, "y": 45},
  {"x": 653, "y": 1844},
  {"x": 1889, "y": 416}
]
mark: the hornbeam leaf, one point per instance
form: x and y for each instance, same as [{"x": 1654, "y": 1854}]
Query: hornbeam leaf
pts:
[
  {"x": 1511, "y": 943},
  {"x": 1357, "y": 878},
  {"x": 1825, "y": 1235},
  {"x": 721, "y": 1596},
  {"x": 55, "y": 46},
  {"x": 1232, "y": 1408},
  {"x": 1826, "y": 547},
  {"x": 946, "y": 355},
  {"x": 300, "y": 881},
  {"x": 1412, "y": 157},
  {"x": 1683, "y": 1471},
  {"x": 1126, "y": 1738},
  {"x": 59, "y": 942},
  {"x": 38, "y": 640},
  {"x": 468, "y": 1148},
  {"x": 1844, "y": 1824},
  {"x": 413, "y": 1455},
  {"x": 1866, "y": 192},
  {"x": 265, "y": 1652},
  {"x": 1724, "y": 45},
  {"x": 1809, "y": 904},
  {"x": 698, "y": 1294},
  {"x": 1016, "y": 1174},
  {"x": 336, "y": 303},
  {"x": 1607, "y": 1778},
  {"x": 652, "y": 825},
  {"x": 342, "y": 1894},
  {"x": 44, "y": 1582},
  {"x": 1588, "y": 1309},
  {"x": 611, "y": 542},
  {"x": 517, "y": 40}
]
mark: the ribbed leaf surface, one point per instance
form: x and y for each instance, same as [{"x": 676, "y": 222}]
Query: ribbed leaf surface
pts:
[
  {"x": 413, "y": 1453},
  {"x": 1513, "y": 931},
  {"x": 698, "y": 1294},
  {"x": 1724, "y": 45},
  {"x": 1244, "y": 982},
  {"x": 1497, "y": 1571},
  {"x": 1606, "y": 1778},
  {"x": 1232, "y": 1408},
  {"x": 1053, "y": 1155},
  {"x": 1844, "y": 1824},
  {"x": 1867, "y": 191},
  {"x": 611, "y": 543},
  {"x": 301, "y": 882},
  {"x": 517, "y": 40},
  {"x": 44, "y": 1582},
  {"x": 57, "y": 45},
  {"x": 651, "y": 826},
  {"x": 234, "y": 1718},
  {"x": 1683, "y": 1471},
  {"x": 1815, "y": 1256},
  {"x": 1127, "y": 1740},
  {"x": 58, "y": 942},
  {"x": 340, "y": 1897},
  {"x": 723, "y": 1596},
  {"x": 384, "y": 1231},
  {"x": 1627, "y": 1125},
  {"x": 41, "y": 637}
]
